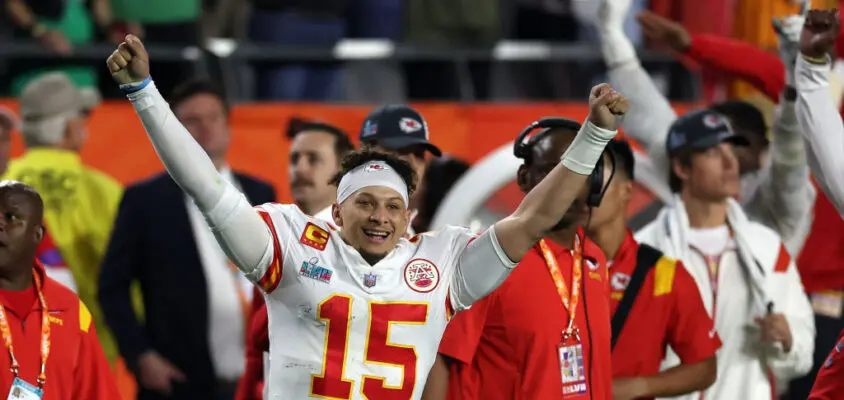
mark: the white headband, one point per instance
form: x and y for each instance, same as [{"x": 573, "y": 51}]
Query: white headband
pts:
[{"x": 373, "y": 173}]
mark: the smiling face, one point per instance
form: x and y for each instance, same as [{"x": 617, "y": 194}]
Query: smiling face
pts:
[{"x": 373, "y": 219}]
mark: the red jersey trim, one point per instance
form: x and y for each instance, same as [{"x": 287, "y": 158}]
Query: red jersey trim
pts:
[
  {"x": 449, "y": 309},
  {"x": 272, "y": 276},
  {"x": 783, "y": 260}
]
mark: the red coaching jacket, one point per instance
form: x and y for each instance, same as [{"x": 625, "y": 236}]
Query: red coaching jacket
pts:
[
  {"x": 251, "y": 385},
  {"x": 506, "y": 346},
  {"x": 829, "y": 385},
  {"x": 76, "y": 367},
  {"x": 668, "y": 310}
]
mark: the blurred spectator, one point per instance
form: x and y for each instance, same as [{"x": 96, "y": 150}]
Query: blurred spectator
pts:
[
  {"x": 450, "y": 24},
  {"x": 440, "y": 175},
  {"x": 162, "y": 22},
  {"x": 320, "y": 23},
  {"x": 79, "y": 202},
  {"x": 59, "y": 25},
  {"x": 400, "y": 130},
  {"x": 8, "y": 122},
  {"x": 191, "y": 341},
  {"x": 316, "y": 152},
  {"x": 745, "y": 274}
]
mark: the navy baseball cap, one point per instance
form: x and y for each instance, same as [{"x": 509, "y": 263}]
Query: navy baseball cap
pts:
[
  {"x": 397, "y": 126},
  {"x": 700, "y": 130}
]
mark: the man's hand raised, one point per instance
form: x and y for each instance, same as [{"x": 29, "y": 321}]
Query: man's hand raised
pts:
[
  {"x": 606, "y": 106},
  {"x": 665, "y": 31},
  {"x": 130, "y": 62},
  {"x": 819, "y": 33}
]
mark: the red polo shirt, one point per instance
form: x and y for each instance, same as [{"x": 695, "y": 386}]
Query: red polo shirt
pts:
[
  {"x": 829, "y": 385},
  {"x": 76, "y": 366},
  {"x": 667, "y": 311},
  {"x": 506, "y": 346}
]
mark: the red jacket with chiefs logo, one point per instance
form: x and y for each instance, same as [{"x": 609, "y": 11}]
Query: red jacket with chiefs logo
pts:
[{"x": 76, "y": 367}]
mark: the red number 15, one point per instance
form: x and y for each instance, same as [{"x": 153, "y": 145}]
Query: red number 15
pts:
[{"x": 336, "y": 311}]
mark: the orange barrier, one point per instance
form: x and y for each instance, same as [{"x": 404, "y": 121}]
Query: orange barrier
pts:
[{"x": 118, "y": 146}]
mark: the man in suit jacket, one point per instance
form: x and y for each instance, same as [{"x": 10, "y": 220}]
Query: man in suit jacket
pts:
[{"x": 191, "y": 343}]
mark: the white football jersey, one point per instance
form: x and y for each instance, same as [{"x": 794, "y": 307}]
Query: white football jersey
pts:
[{"x": 341, "y": 328}]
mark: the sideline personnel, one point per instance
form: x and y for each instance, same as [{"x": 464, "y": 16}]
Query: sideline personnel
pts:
[
  {"x": 654, "y": 301},
  {"x": 58, "y": 357},
  {"x": 507, "y": 346}
]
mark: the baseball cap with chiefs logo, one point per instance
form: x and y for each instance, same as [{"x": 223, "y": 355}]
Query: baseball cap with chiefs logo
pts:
[
  {"x": 397, "y": 127},
  {"x": 700, "y": 130}
]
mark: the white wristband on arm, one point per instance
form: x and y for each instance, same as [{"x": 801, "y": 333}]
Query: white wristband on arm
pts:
[
  {"x": 586, "y": 149},
  {"x": 617, "y": 49}
]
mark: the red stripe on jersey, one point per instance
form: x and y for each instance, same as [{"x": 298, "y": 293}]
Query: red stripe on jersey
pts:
[
  {"x": 272, "y": 276},
  {"x": 783, "y": 260},
  {"x": 449, "y": 309}
]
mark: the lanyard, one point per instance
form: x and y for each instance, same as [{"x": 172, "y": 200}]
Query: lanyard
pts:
[
  {"x": 45, "y": 335},
  {"x": 570, "y": 300}
]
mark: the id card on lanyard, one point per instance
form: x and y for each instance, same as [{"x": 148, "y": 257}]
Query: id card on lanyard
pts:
[
  {"x": 570, "y": 349},
  {"x": 21, "y": 389}
]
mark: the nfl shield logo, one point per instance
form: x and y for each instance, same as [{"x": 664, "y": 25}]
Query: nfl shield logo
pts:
[{"x": 369, "y": 280}]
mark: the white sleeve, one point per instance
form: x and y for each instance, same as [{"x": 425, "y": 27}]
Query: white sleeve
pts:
[
  {"x": 821, "y": 125},
  {"x": 239, "y": 229},
  {"x": 648, "y": 119},
  {"x": 794, "y": 304},
  {"x": 482, "y": 266},
  {"x": 786, "y": 196}
]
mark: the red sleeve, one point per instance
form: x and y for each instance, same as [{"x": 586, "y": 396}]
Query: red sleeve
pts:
[
  {"x": 741, "y": 60},
  {"x": 691, "y": 330},
  {"x": 463, "y": 332},
  {"x": 93, "y": 378},
  {"x": 256, "y": 344},
  {"x": 829, "y": 383}
]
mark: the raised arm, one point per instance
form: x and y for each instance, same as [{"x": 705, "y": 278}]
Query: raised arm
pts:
[
  {"x": 543, "y": 206},
  {"x": 819, "y": 120},
  {"x": 241, "y": 232},
  {"x": 650, "y": 113}
]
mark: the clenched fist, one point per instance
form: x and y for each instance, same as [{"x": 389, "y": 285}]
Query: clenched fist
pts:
[
  {"x": 130, "y": 62},
  {"x": 819, "y": 33},
  {"x": 606, "y": 106}
]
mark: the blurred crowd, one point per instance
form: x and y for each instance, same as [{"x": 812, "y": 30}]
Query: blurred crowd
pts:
[
  {"x": 173, "y": 313},
  {"x": 60, "y": 25}
]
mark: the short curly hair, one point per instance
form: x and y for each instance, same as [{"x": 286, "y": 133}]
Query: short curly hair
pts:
[{"x": 357, "y": 158}]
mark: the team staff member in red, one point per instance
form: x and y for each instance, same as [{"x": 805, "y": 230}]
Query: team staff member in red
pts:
[
  {"x": 667, "y": 310},
  {"x": 58, "y": 357},
  {"x": 251, "y": 385},
  {"x": 545, "y": 331},
  {"x": 828, "y": 383}
]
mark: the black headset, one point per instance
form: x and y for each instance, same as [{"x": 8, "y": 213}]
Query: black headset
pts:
[{"x": 523, "y": 145}]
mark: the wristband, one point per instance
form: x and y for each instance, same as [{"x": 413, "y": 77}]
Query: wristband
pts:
[
  {"x": 586, "y": 149},
  {"x": 128, "y": 88},
  {"x": 815, "y": 60}
]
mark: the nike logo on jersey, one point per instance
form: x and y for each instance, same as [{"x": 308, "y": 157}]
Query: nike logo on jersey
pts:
[
  {"x": 310, "y": 269},
  {"x": 315, "y": 237}
]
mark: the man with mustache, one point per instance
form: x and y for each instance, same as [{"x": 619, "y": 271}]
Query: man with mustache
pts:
[{"x": 315, "y": 153}]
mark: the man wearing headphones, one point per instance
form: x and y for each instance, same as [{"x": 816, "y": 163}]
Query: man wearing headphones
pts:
[{"x": 545, "y": 330}]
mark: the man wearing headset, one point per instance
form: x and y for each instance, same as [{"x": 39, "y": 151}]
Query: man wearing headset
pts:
[{"x": 522, "y": 341}]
